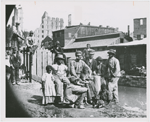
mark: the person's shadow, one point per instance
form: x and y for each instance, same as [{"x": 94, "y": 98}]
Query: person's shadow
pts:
[{"x": 36, "y": 100}]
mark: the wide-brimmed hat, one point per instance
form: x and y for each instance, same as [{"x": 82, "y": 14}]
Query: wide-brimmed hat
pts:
[
  {"x": 112, "y": 51},
  {"x": 59, "y": 56},
  {"x": 78, "y": 53}
]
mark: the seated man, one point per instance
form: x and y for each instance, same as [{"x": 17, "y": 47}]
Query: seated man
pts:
[
  {"x": 60, "y": 76},
  {"x": 75, "y": 91}
]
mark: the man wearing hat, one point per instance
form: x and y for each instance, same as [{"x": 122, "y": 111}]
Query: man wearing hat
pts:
[
  {"x": 15, "y": 63},
  {"x": 60, "y": 76},
  {"x": 113, "y": 74},
  {"x": 17, "y": 33},
  {"x": 76, "y": 68},
  {"x": 57, "y": 49},
  {"x": 91, "y": 62},
  {"x": 86, "y": 51}
]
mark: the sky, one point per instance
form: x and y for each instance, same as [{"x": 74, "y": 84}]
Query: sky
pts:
[{"x": 112, "y": 14}]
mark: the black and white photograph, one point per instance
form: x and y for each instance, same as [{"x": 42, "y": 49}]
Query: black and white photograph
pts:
[{"x": 75, "y": 59}]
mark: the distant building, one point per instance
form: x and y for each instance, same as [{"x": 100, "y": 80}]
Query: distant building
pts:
[
  {"x": 99, "y": 43},
  {"x": 18, "y": 16},
  {"x": 131, "y": 54},
  {"x": 48, "y": 25},
  {"x": 140, "y": 26},
  {"x": 70, "y": 33}
]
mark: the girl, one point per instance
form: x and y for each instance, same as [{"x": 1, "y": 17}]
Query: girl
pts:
[{"x": 48, "y": 86}]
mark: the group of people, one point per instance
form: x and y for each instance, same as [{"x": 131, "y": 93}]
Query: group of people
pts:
[
  {"x": 14, "y": 56},
  {"x": 84, "y": 80}
]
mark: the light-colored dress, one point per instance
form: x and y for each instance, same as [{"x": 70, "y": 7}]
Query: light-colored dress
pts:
[{"x": 49, "y": 88}]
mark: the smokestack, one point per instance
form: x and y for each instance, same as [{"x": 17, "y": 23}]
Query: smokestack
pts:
[
  {"x": 128, "y": 30},
  {"x": 69, "y": 20}
]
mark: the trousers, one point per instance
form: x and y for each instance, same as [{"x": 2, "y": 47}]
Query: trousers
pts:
[
  {"x": 113, "y": 88},
  {"x": 76, "y": 93},
  {"x": 15, "y": 74},
  {"x": 59, "y": 86}
]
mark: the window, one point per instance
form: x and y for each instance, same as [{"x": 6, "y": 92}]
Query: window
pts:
[
  {"x": 42, "y": 36},
  {"x": 42, "y": 26},
  {"x": 69, "y": 35},
  {"x": 121, "y": 40},
  {"x": 142, "y": 36},
  {"x": 141, "y": 21},
  {"x": 42, "y": 31}
]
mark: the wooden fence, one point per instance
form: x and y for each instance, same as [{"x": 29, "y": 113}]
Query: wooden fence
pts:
[{"x": 41, "y": 59}]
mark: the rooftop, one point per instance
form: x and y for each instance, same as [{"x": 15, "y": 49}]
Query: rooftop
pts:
[
  {"x": 133, "y": 43},
  {"x": 93, "y": 43}
]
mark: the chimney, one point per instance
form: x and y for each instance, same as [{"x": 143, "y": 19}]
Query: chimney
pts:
[
  {"x": 116, "y": 29},
  {"x": 128, "y": 30},
  {"x": 100, "y": 26},
  {"x": 107, "y": 26},
  {"x": 89, "y": 23},
  {"x": 69, "y": 20}
]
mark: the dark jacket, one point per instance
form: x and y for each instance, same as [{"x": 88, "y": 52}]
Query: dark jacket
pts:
[{"x": 15, "y": 60}]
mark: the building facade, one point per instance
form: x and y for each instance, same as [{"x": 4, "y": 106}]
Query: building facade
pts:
[
  {"x": 140, "y": 26},
  {"x": 18, "y": 16},
  {"x": 48, "y": 24},
  {"x": 67, "y": 35}
]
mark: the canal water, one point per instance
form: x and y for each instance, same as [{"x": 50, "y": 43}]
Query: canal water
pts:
[{"x": 133, "y": 97}]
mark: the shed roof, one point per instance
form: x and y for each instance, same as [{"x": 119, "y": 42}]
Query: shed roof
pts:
[
  {"x": 133, "y": 43},
  {"x": 103, "y": 54},
  {"x": 93, "y": 43}
]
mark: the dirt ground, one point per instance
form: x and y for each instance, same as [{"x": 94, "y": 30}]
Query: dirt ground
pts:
[{"x": 30, "y": 97}]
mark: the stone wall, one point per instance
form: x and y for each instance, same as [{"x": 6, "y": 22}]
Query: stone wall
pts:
[{"x": 133, "y": 81}]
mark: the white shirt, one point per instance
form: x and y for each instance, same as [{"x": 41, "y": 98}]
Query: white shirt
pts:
[
  {"x": 7, "y": 62},
  {"x": 61, "y": 69}
]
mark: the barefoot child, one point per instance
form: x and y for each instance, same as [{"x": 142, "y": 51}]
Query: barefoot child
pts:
[{"x": 48, "y": 86}]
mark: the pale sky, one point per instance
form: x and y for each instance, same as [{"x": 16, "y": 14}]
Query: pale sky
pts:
[{"x": 112, "y": 14}]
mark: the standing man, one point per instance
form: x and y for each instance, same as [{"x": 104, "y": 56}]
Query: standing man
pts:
[
  {"x": 31, "y": 44},
  {"x": 113, "y": 74},
  {"x": 15, "y": 63},
  {"x": 86, "y": 52},
  {"x": 91, "y": 62},
  {"x": 100, "y": 69},
  {"x": 17, "y": 39}
]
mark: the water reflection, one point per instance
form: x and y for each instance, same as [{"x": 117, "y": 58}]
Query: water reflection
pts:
[{"x": 131, "y": 96}]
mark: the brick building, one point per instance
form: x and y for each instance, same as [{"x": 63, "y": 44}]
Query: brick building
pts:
[
  {"x": 70, "y": 33},
  {"x": 140, "y": 26},
  {"x": 48, "y": 24}
]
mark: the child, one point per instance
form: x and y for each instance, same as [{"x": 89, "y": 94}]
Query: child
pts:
[
  {"x": 105, "y": 97},
  {"x": 48, "y": 86}
]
